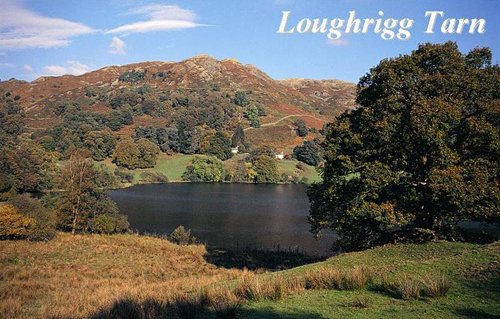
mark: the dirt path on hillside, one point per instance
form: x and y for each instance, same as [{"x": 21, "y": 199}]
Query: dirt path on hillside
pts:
[{"x": 284, "y": 118}]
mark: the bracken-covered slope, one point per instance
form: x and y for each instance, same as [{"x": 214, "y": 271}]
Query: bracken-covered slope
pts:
[{"x": 202, "y": 79}]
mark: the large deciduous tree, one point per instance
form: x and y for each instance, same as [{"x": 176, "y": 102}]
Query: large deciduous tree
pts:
[
  {"x": 421, "y": 152},
  {"x": 84, "y": 203}
]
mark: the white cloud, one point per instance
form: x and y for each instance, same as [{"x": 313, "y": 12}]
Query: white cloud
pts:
[
  {"x": 78, "y": 68},
  {"x": 22, "y": 28},
  {"x": 28, "y": 68},
  {"x": 6, "y": 65},
  {"x": 117, "y": 46},
  {"x": 164, "y": 12},
  {"x": 338, "y": 42},
  {"x": 74, "y": 68},
  {"x": 54, "y": 70},
  {"x": 159, "y": 18}
]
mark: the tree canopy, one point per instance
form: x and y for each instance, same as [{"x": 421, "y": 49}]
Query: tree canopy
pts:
[{"x": 421, "y": 152}]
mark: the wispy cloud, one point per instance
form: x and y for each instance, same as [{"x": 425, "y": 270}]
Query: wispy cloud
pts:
[
  {"x": 159, "y": 17},
  {"x": 338, "y": 42},
  {"x": 22, "y": 28},
  {"x": 28, "y": 68},
  {"x": 117, "y": 46},
  {"x": 74, "y": 68},
  {"x": 6, "y": 65}
]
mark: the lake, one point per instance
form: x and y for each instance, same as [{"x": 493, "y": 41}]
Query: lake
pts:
[{"x": 225, "y": 215}]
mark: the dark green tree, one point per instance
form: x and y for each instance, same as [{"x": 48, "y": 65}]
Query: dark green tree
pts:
[
  {"x": 301, "y": 127},
  {"x": 421, "y": 151},
  {"x": 309, "y": 152},
  {"x": 238, "y": 136}
]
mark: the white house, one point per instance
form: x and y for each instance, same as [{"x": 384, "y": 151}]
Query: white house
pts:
[
  {"x": 234, "y": 150},
  {"x": 280, "y": 156}
]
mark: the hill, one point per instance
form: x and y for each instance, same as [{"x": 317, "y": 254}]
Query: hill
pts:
[
  {"x": 200, "y": 93},
  {"x": 117, "y": 276}
]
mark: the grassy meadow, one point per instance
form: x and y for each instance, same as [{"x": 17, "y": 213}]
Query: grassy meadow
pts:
[
  {"x": 131, "y": 276},
  {"x": 173, "y": 166}
]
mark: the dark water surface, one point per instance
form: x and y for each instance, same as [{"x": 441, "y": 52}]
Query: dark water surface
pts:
[{"x": 225, "y": 215}]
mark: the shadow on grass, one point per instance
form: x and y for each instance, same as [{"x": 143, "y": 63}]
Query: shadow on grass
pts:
[
  {"x": 254, "y": 259},
  {"x": 150, "y": 309},
  {"x": 475, "y": 313}
]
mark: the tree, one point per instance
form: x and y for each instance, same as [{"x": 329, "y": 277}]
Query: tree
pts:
[
  {"x": 147, "y": 153},
  {"x": 218, "y": 145},
  {"x": 14, "y": 225},
  {"x": 84, "y": 198},
  {"x": 100, "y": 143},
  {"x": 204, "y": 169},
  {"x": 76, "y": 181},
  {"x": 27, "y": 168},
  {"x": 421, "y": 151},
  {"x": 266, "y": 168},
  {"x": 301, "y": 127},
  {"x": 240, "y": 98},
  {"x": 309, "y": 152},
  {"x": 238, "y": 136},
  {"x": 253, "y": 115},
  {"x": 126, "y": 154}
]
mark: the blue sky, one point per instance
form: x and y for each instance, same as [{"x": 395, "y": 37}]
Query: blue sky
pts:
[{"x": 53, "y": 37}]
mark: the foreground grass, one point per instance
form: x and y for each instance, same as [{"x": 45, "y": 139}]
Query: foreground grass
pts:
[
  {"x": 474, "y": 271},
  {"x": 79, "y": 276},
  {"x": 76, "y": 275}
]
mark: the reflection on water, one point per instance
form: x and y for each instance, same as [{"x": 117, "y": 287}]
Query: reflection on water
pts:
[{"x": 225, "y": 215}]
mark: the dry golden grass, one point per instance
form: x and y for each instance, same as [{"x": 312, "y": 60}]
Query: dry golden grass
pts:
[
  {"x": 436, "y": 286},
  {"x": 74, "y": 276},
  {"x": 331, "y": 278}
]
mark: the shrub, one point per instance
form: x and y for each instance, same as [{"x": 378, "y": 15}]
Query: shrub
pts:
[
  {"x": 109, "y": 223},
  {"x": 360, "y": 302},
  {"x": 225, "y": 304},
  {"x": 278, "y": 289},
  {"x": 124, "y": 176},
  {"x": 436, "y": 287},
  {"x": 185, "y": 306},
  {"x": 300, "y": 127},
  {"x": 301, "y": 166},
  {"x": 250, "y": 288},
  {"x": 153, "y": 177},
  {"x": 408, "y": 288},
  {"x": 44, "y": 219},
  {"x": 14, "y": 225},
  {"x": 204, "y": 169},
  {"x": 324, "y": 278},
  {"x": 133, "y": 76},
  {"x": 181, "y": 236},
  {"x": 257, "y": 289},
  {"x": 357, "y": 279}
]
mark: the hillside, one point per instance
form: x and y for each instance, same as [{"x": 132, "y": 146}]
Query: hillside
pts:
[
  {"x": 200, "y": 90},
  {"x": 128, "y": 275}
]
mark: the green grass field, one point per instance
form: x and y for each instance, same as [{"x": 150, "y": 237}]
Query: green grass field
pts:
[
  {"x": 175, "y": 165},
  {"x": 289, "y": 167},
  {"x": 474, "y": 271},
  {"x": 171, "y": 166}
]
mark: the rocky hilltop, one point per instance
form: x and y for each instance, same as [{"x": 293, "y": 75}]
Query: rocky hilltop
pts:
[{"x": 158, "y": 93}]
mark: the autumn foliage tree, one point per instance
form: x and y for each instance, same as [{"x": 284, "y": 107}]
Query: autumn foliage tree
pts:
[
  {"x": 421, "y": 152},
  {"x": 84, "y": 203}
]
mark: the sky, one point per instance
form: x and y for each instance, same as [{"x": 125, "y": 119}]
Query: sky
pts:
[{"x": 55, "y": 37}]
